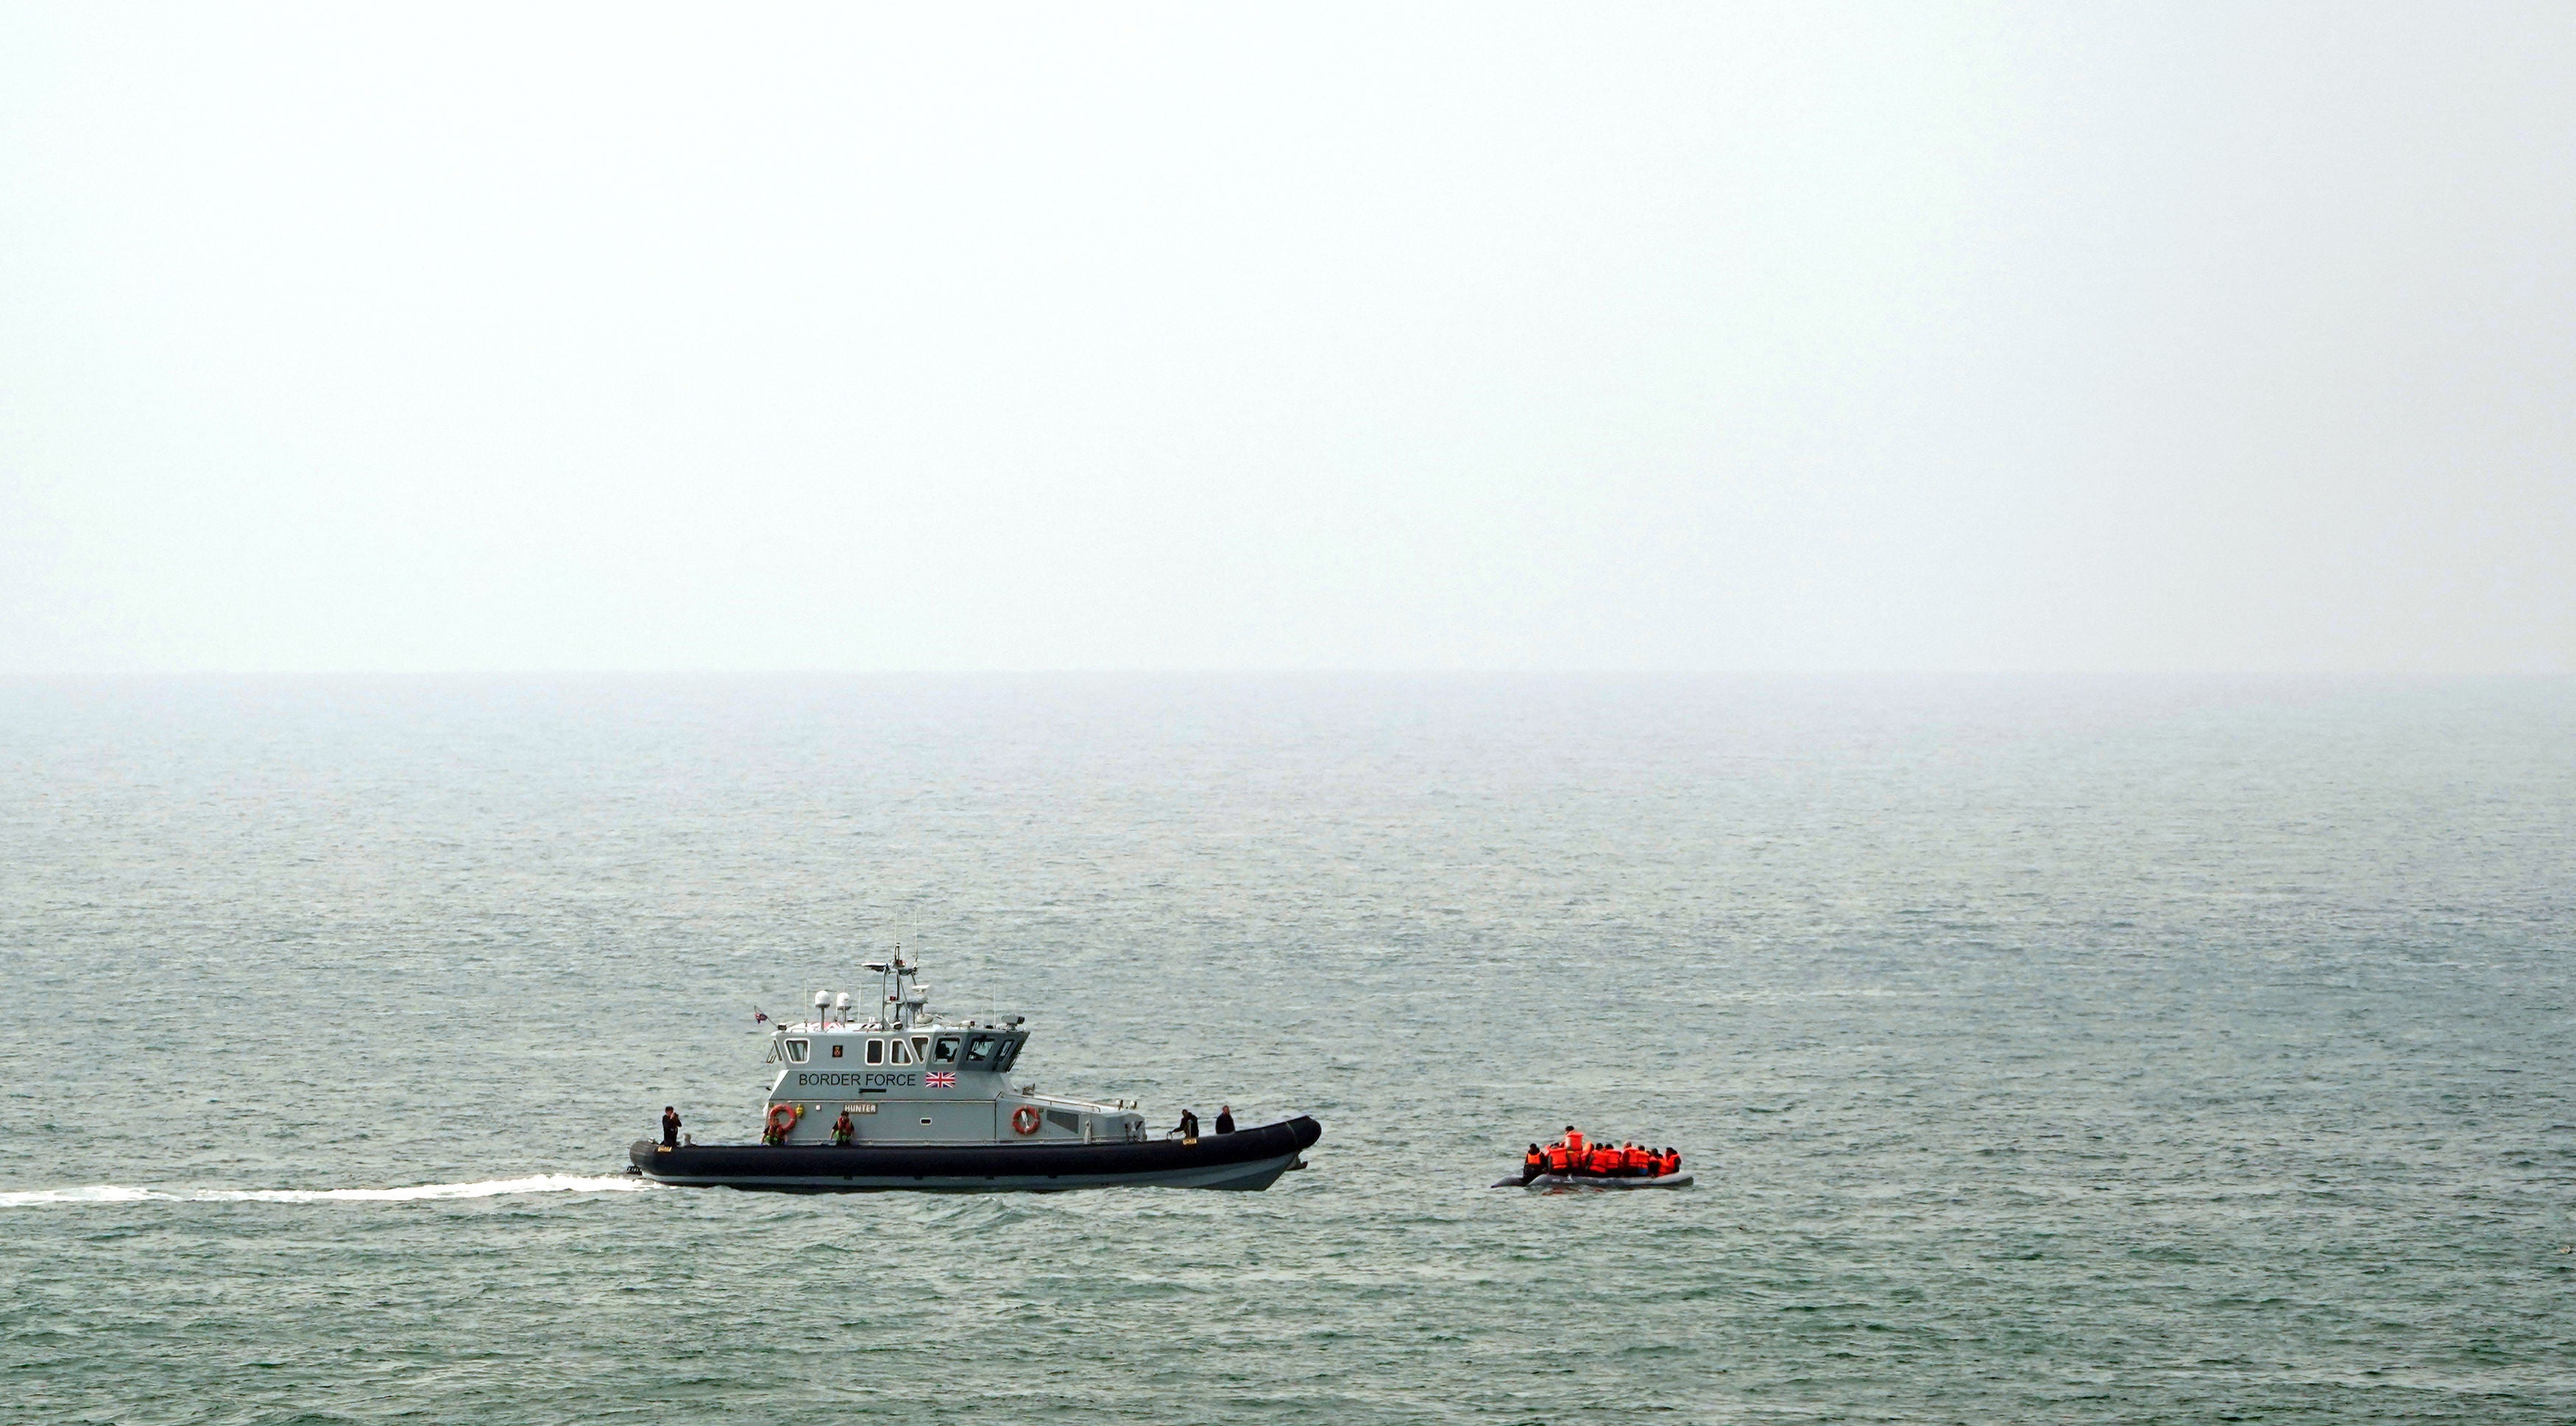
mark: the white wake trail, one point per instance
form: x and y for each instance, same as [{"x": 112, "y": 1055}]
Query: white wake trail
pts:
[{"x": 487, "y": 1188}]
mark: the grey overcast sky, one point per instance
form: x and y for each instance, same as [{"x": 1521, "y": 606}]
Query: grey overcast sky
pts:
[{"x": 1906, "y": 336}]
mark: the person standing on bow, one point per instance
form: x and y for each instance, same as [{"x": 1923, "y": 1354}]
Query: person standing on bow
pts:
[
  {"x": 670, "y": 1127},
  {"x": 1225, "y": 1118}
]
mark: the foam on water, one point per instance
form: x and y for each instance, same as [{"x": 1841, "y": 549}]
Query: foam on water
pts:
[{"x": 486, "y": 1188}]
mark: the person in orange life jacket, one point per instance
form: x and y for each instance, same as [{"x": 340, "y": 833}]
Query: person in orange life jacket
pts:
[
  {"x": 842, "y": 1128},
  {"x": 1574, "y": 1141},
  {"x": 1225, "y": 1118},
  {"x": 670, "y": 1127},
  {"x": 1633, "y": 1158},
  {"x": 1670, "y": 1163},
  {"x": 1603, "y": 1159},
  {"x": 1533, "y": 1164},
  {"x": 1559, "y": 1160}
]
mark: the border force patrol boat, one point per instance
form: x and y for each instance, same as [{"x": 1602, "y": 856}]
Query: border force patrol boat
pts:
[{"x": 909, "y": 1101}]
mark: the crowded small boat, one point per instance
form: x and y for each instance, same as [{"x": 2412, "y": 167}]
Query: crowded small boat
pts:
[{"x": 1576, "y": 1161}]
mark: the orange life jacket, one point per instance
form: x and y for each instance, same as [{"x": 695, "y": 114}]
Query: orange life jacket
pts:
[
  {"x": 1604, "y": 1159},
  {"x": 1574, "y": 1141},
  {"x": 1557, "y": 1158},
  {"x": 1533, "y": 1159},
  {"x": 1633, "y": 1157},
  {"x": 1667, "y": 1163}
]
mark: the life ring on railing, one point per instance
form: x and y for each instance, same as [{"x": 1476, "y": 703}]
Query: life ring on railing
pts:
[
  {"x": 1024, "y": 1120},
  {"x": 782, "y": 1118}
]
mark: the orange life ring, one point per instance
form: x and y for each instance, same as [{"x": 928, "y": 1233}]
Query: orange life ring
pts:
[
  {"x": 1024, "y": 1120},
  {"x": 782, "y": 1118}
]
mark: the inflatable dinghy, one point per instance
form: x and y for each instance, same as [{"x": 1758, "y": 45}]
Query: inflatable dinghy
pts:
[{"x": 1562, "y": 1181}]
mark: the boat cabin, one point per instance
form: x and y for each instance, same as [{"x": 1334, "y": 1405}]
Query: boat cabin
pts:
[
  {"x": 965, "y": 1048},
  {"x": 907, "y": 1076}
]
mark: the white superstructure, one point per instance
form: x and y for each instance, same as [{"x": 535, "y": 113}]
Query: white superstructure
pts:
[{"x": 906, "y": 1076}]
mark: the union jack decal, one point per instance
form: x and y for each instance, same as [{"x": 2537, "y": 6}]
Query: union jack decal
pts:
[{"x": 941, "y": 1079}]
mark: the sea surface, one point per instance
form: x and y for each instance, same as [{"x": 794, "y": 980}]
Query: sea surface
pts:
[{"x": 2050, "y": 1050}]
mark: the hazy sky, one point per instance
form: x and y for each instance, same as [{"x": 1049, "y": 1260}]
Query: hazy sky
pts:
[{"x": 2078, "y": 336}]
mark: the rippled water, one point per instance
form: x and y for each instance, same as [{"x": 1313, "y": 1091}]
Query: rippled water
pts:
[{"x": 2050, "y": 1050}]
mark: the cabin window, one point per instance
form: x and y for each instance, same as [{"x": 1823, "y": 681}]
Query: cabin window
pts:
[
  {"x": 979, "y": 1050},
  {"x": 876, "y": 1052},
  {"x": 1006, "y": 1052},
  {"x": 944, "y": 1052},
  {"x": 1069, "y": 1122},
  {"x": 836, "y": 1052},
  {"x": 902, "y": 1053},
  {"x": 921, "y": 1048},
  {"x": 796, "y": 1050}
]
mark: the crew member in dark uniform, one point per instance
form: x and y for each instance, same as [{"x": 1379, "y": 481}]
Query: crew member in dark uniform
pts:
[
  {"x": 670, "y": 1127},
  {"x": 1225, "y": 1118},
  {"x": 1189, "y": 1126}
]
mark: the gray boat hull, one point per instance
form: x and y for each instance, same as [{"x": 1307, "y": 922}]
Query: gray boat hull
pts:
[
  {"x": 1251, "y": 1159},
  {"x": 1568, "y": 1182}
]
